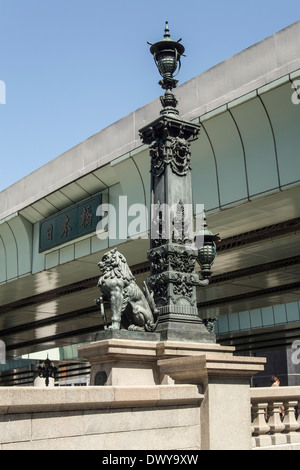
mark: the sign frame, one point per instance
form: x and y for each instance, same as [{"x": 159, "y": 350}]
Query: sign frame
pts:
[{"x": 69, "y": 224}]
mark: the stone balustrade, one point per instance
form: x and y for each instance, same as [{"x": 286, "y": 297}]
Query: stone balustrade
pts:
[{"x": 275, "y": 417}]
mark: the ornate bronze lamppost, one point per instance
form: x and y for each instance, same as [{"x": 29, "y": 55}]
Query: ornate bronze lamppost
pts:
[
  {"x": 168, "y": 304},
  {"x": 47, "y": 370},
  {"x": 173, "y": 252}
]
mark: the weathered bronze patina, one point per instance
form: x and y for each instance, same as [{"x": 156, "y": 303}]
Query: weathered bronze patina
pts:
[
  {"x": 174, "y": 253},
  {"x": 169, "y": 306}
]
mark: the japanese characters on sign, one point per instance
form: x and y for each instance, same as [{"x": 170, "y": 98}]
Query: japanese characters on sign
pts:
[{"x": 69, "y": 224}]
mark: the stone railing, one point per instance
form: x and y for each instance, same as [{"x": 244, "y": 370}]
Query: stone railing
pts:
[{"x": 275, "y": 417}]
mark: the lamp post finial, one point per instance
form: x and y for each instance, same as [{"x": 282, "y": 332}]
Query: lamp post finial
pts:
[{"x": 167, "y": 31}]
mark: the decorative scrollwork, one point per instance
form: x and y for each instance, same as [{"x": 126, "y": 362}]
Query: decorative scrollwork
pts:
[
  {"x": 209, "y": 323},
  {"x": 177, "y": 153},
  {"x": 183, "y": 262},
  {"x": 183, "y": 289},
  {"x": 159, "y": 157},
  {"x": 162, "y": 259},
  {"x": 159, "y": 284},
  {"x": 181, "y": 156}
]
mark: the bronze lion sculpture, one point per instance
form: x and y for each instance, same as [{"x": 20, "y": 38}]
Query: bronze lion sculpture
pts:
[{"x": 131, "y": 308}]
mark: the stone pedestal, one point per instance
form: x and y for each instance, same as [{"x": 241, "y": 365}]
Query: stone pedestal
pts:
[
  {"x": 118, "y": 360},
  {"x": 120, "y": 357},
  {"x": 225, "y": 382},
  {"x": 123, "y": 358}
]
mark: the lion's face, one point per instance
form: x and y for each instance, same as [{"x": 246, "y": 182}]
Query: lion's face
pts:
[
  {"x": 109, "y": 261},
  {"x": 114, "y": 264}
]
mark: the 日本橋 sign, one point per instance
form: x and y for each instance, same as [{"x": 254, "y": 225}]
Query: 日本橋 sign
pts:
[{"x": 69, "y": 224}]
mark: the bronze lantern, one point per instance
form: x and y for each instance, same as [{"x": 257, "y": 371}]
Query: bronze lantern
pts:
[
  {"x": 167, "y": 54},
  {"x": 208, "y": 251}
]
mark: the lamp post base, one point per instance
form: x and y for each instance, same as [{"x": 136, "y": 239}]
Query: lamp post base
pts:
[{"x": 174, "y": 328}]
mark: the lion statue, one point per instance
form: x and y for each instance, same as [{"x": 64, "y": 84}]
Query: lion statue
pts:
[{"x": 131, "y": 308}]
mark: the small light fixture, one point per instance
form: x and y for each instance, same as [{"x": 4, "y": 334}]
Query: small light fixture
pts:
[
  {"x": 208, "y": 251},
  {"x": 47, "y": 370}
]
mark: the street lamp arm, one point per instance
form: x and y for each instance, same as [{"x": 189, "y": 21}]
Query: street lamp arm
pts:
[{"x": 203, "y": 282}]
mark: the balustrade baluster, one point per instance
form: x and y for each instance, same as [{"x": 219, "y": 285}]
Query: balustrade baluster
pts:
[
  {"x": 298, "y": 415},
  {"x": 260, "y": 426},
  {"x": 275, "y": 423},
  {"x": 290, "y": 422}
]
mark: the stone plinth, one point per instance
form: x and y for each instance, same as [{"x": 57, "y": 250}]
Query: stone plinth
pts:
[
  {"x": 204, "y": 367},
  {"x": 225, "y": 382},
  {"x": 122, "y": 358},
  {"x": 222, "y": 378},
  {"x": 118, "y": 360}
]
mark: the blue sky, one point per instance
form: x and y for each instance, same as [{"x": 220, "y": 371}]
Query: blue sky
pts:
[{"x": 73, "y": 67}]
